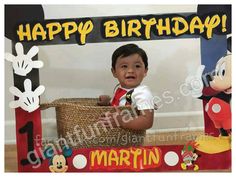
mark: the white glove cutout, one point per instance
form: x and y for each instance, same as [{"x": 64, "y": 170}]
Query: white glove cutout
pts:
[
  {"x": 23, "y": 64},
  {"x": 28, "y": 100},
  {"x": 194, "y": 83}
]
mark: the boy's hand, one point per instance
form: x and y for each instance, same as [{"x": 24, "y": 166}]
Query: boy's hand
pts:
[{"x": 104, "y": 100}]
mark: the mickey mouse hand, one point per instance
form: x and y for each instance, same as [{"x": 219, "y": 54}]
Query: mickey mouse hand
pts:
[
  {"x": 23, "y": 64},
  {"x": 194, "y": 84},
  {"x": 28, "y": 100}
]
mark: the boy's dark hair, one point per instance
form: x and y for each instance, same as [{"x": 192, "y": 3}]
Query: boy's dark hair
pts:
[{"x": 127, "y": 50}]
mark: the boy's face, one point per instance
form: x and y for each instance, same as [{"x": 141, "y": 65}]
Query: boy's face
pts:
[{"x": 130, "y": 71}]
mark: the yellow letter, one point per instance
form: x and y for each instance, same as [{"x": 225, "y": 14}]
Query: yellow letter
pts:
[
  {"x": 36, "y": 33},
  {"x": 51, "y": 31},
  {"x": 144, "y": 157},
  {"x": 154, "y": 158},
  {"x": 224, "y": 18},
  {"x": 84, "y": 30},
  {"x": 132, "y": 29},
  {"x": 211, "y": 23},
  {"x": 67, "y": 31},
  {"x": 196, "y": 23},
  {"x": 111, "y": 29},
  {"x": 23, "y": 34},
  {"x": 135, "y": 153},
  {"x": 148, "y": 24},
  {"x": 162, "y": 28},
  {"x": 113, "y": 157},
  {"x": 100, "y": 156},
  {"x": 124, "y": 157},
  {"x": 123, "y": 28},
  {"x": 176, "y": 28}
]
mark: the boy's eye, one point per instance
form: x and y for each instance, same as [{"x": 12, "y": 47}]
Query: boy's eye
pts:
[
  {"x": 137, "y": 66},
  {"x": 123, "y": 66}
]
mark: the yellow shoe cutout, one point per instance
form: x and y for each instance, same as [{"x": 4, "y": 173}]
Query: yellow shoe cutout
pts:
[
  {"x": 213, "y": 145},
  {"x": 183, "y": 166},
  {"x": 196, "y": 167}
]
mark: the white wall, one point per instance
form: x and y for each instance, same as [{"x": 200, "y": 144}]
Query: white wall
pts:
[{"x": 84, "y": 71}]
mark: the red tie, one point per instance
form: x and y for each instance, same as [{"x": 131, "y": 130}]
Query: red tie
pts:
[{"x": 119, "y": 93}]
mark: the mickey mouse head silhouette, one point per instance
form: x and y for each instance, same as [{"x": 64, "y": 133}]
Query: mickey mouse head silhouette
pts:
[{"x": 57, "y": 162}]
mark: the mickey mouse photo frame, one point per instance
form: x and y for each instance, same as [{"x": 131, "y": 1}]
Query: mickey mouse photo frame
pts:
[{"x": 29, "y": 30}]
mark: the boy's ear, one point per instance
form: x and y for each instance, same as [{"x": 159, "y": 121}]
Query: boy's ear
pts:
[
  {"x": 145, "y": 73},
  {"x": 113, "y": 72}
]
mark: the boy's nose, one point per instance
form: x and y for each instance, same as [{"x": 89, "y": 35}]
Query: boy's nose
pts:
[{"x": 130, "y": 70}]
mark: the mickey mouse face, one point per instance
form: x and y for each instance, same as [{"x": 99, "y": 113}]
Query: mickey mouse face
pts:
[
  {"x": 58, "y": 164},
  {"x": 222, "y": 79}
]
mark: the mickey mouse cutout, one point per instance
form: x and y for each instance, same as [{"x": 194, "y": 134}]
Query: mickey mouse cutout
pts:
[
  {"x": 218, "y": 106},
  {"x": 189, "y": 156},
  {"x": 57, "y": 162}
]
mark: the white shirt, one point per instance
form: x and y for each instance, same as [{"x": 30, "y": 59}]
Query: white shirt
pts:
[{"x": 141, "y": 97}]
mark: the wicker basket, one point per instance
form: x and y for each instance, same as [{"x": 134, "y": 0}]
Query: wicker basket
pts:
[{"x": 77, "y": 123}]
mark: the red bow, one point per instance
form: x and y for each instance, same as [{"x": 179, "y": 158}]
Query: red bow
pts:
[{"x": 119, "y": 93}]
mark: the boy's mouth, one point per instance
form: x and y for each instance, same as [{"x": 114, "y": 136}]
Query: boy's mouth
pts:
[{"x": 130, "y": 77}]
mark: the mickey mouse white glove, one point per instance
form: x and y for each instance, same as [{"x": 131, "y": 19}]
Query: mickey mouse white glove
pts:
[
  {"x": 23, "y": 64},
  {"x": 28, "y": 100},
  {"x": 194, "y": 84}
]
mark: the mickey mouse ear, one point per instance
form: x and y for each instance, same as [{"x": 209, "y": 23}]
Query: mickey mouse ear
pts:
[
  {"x": 15, "y": 14},
  {"x": 205, "y": 9},
  {"x": 229, "y": 42},
  {"x": 67, "y": 152}
]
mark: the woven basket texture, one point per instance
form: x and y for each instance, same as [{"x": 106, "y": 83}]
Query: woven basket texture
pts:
[{"x": 77, "y": 123}]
